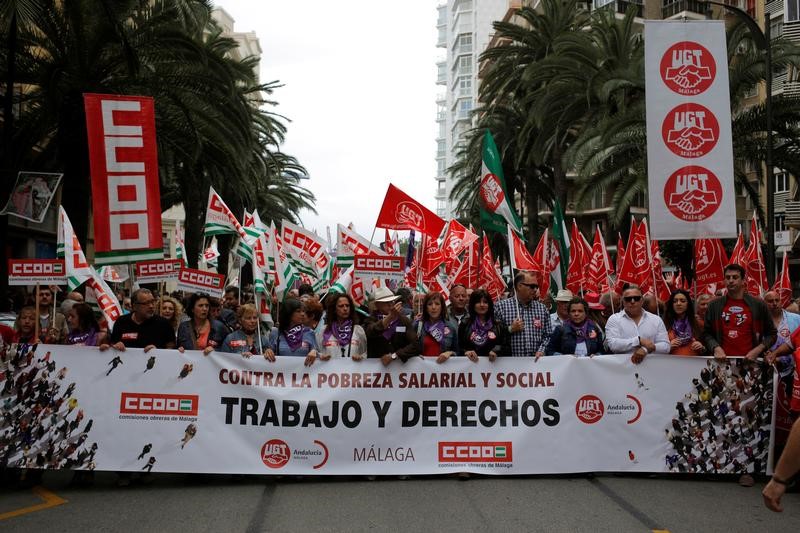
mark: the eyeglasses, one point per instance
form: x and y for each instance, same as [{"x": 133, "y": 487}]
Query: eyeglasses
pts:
[
  {"x": 148, "y": 302},
  {"x": 630, "y": 299},
  {"x": 530, "y": 285}
]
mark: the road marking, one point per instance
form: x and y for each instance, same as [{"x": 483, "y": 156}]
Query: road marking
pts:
[
  {"x": 50, "y": 500},
  {"x": 661, "y": 531},
  {"x": 648, "y": 522}
]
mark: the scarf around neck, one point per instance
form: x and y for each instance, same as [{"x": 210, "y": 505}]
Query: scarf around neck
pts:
[
  {"x": 294, "y": 336},
  {"x": 479, "y": 332},
  {"x": 343, "y": 331}
]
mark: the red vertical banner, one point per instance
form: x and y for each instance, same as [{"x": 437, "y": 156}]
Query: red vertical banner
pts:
[{"x": 123, "y": 160}]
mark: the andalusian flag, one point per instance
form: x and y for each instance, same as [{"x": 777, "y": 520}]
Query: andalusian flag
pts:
[
  {"x": 497, "y": 208},
  {"x": 558, "y": 256}
]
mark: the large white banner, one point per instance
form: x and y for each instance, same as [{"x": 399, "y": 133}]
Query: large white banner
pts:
[
  {"x": 73, "y": 407},
  {"x": 689, "y": 150}
]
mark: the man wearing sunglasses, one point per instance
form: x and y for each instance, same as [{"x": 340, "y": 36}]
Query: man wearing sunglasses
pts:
[
  {"x": 142, "y": 328},
  {"x": 526, "y": 318},
  {"x": 635, "y": 330}
]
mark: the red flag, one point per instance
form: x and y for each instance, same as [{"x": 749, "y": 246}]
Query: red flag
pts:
[
  {"x": 540, "y": 259},
  {"x": 620, "y": 252},
  {"x": 489, "y": 278},
  {"x": 709, "y": 264},
  {"x": 738, "y": 256},
  {"x": 432, "y": 258},
  {"x": 456, "y": 239},
  {"x": 579, "y": 257},
  {"x": 468, "y": 275},
  {"x": 635, "y": 266},
  {"x": 661, "y": 291},
  {"x": 388, "y": 245},
  {"x": 519, "y": 256},
  {"x": 783, "y": 285},
  {"x": 400, "y": 211},
  {"x": 599, "y": 265},
  {"x": 756, "y": 271}
]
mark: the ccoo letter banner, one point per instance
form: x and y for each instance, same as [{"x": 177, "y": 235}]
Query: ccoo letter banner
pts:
[
  {"x": 124, "y": 164},
  {"x": 689, "y": 151}
]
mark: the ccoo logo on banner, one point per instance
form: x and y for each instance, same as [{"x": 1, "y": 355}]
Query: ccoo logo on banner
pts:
[{"x": 689, "y": 151}]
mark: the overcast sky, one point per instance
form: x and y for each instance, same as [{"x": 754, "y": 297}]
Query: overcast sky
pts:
[{"x": 360, "y": 90}]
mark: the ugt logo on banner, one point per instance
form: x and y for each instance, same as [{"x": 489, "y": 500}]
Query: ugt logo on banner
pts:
[{"x": 125, "y": 192}]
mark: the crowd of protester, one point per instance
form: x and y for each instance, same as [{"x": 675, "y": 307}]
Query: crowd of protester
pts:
[
  {"x": 399, "y": 325},
  {"x": 403, "y": 324}
]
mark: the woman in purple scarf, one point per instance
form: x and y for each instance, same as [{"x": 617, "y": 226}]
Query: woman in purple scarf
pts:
[
  {"x": 292, "y": 337},
  {"x": 342, "y": 336},
  {"x": 83, "y": 327},
  {"x": 481, "y": 334},
  {"x": 578, "y": 336},
  {"x": 682, "y": 326},
  {"x": 437, "y": 336}
]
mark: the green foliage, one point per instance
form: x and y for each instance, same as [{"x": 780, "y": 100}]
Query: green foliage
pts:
[{"x": 214, "y": 120}]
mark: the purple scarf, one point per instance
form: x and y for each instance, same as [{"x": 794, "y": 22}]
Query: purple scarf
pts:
[
  {"x": 342, "y": 330},
  {"x": 294, "y": 336},
  {"x": 683, "y": 330},
  {"x": 479, "y": 333},
  {"x": 581, "y": 330},
  {"x": 391, "y": 328},
  {"x": 88, "y": 338},
  {"x": 435, "y": 330}
]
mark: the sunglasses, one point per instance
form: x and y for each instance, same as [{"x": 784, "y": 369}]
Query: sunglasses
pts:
[
  {"x": 630, "y": 299},
  {"x": 530, "y": 285}
]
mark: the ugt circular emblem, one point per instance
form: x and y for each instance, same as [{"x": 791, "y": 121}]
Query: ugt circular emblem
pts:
[
  {"x": 693, "y": 193},
  {"x": 690, "y": 130},
  {"x": 688, "y": 68}
]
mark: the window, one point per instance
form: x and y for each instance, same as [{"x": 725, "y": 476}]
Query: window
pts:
[
  {"x": 464, "y": 107},
  {"x": 464, "y": 44},
  {"x": 780, "y": 223},
  {"x": 465, "y": 65},
  {"x": 441, "y": 166},
  {"x": 441, "y": 205},
  {"x": 440, "y": 148},
  {"x": 791, "y": 13},
  {"x": 598, "y": 199},
  {"x": 775, "y": 28},
  {"x": 601, "y": 3},
  {"x": 465, "y": 86},
  {"x": 781, "y": 181}
]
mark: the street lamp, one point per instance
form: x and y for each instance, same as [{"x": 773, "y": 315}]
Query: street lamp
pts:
[{"x": 762, "y": 42}]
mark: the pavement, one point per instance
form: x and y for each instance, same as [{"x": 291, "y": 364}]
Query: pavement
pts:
[{"x": 251, "y": 504}]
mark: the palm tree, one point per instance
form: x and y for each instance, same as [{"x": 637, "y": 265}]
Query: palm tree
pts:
[{"x": 211, "y": 117}]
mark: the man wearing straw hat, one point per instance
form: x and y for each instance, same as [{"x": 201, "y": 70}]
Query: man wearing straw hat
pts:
[{"x": 390, "y": 334}]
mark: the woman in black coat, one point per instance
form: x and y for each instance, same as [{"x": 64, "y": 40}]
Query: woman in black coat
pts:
[
  {"x": 579, "y": 335},
  {"x": 481, "y": 334}
]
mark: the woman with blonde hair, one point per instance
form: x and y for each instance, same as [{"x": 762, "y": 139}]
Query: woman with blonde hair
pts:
[
  {"x": 246, "y": 340},
  {"x": 171, "y": 309}
]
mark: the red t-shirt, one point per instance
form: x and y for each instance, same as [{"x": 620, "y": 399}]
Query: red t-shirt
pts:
[
  {"x": 430, "y": 346},
  {"x": 737, "y": 328}
]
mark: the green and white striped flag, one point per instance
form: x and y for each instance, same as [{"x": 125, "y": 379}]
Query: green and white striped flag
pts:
[
  {"x": 253, "y": 229},
  {"x": 219, "y": 219},
  {"x": 497, "y": 206},
  {"x": 286, "y": 274},
  {"x": 78, "y": 269},
  {"x": 558, "y": 256}
]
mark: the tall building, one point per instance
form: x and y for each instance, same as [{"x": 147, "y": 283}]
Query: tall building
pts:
[{"x": 465, "y": 29}]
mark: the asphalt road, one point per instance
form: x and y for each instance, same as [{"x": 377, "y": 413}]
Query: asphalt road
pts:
[{"x": 254, "y": 504}]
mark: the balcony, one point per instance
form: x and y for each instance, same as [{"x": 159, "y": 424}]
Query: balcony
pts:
[
  {"x": 621, "y": 6},
  {"x": 693, "y": 9},
  {"x": 793, "y": 213},
  {"x": 441, "y": 38},
  {"x": 441, "y": 73}
]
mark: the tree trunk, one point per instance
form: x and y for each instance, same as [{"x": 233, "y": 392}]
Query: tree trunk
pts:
[
  {"x": 74, "y": 152},
  {"x": 7, "y": 172},
  {"x": 194, "y": 203}
]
